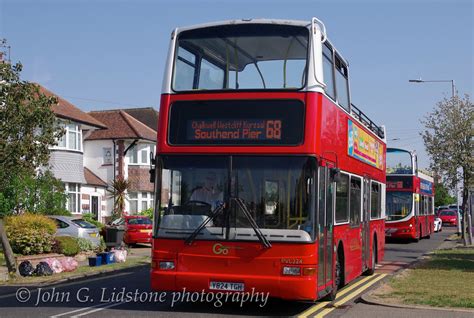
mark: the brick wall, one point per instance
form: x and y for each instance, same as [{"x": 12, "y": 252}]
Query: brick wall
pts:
[{"x": 139, "y": 178}]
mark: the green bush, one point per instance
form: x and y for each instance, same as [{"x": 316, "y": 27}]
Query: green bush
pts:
[
  {"x": 30, "y": 233},
  {"x": 66, "y": 245},
  {"x": 85, "y": 245},
  {"x": 40, "y": 193},
  {"x": 89, "y": 217},
  {"x": 147, "y": 212},
  {"x": 102, "y": 247}
]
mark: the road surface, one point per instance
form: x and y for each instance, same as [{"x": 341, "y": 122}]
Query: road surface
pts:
[{"x": 127, "y": 294}]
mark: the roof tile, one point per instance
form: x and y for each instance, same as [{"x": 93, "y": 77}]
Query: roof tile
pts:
[
  {"x": 121, "y": 126},
  {"x": 93, "y": 179},
  {"x": 66, "y": 110}
]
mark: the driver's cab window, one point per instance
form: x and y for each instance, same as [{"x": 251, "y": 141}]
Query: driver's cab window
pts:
[{"x": 193, "y": 187}]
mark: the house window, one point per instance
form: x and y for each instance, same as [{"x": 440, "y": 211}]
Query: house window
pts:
[
  {"x": 140, "y": 154},
  {"x": 133, "y": 199},
  {"x": 140, "y": 201},
  {"x": 72, "y": 139},
  {"x": 73, "y": 191},
  {"x": 133, "y": 155}
]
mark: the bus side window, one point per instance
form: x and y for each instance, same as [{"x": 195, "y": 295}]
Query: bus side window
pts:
[
  {"x": 355, "y": 200},
  {"x": 375, "y": 201},
  {"x": 328, "y": 71},
  {"x": 185, "y": 70},
  {"x": 342, "y": 199},
  {"x": 342, "y": 84}
]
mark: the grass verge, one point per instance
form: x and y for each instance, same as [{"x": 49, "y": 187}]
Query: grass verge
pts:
[
  {"x": 80, "y": 271},
  {"x": 445, "y": 279}
]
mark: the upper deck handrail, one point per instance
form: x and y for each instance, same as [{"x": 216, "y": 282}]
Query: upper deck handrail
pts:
[{"x": 367, "y": 121}]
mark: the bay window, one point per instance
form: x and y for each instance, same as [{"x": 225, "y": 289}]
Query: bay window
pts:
[
  {"x": 72, "y": 139},
  {"x": 140, "y": 154},
  {"x": 140, "y": 201}
]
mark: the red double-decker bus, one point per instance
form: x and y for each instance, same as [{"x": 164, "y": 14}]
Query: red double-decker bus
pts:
[
  {"x": 267, "y": 177},
  {"x": 410, "y": 197}
]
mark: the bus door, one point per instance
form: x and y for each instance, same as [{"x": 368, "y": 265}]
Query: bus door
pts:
[
  {"x": 325, "y": 226},
  {"x": 365, "y": 233},
  {"x": 427, "y": 215},
  {"x": 417, "y": 212}
]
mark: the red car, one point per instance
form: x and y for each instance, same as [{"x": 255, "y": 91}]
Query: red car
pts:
[
  {"x": 448, "y": 217},
  {"x": 137, "y": 229}
]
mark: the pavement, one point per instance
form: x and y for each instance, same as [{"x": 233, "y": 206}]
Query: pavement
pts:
[
  {"x": 140, "y": 250},
  {"x": 376, "y": 305}
]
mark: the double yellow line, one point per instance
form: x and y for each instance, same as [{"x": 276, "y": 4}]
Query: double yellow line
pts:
[{"x": 343, "y": 296}]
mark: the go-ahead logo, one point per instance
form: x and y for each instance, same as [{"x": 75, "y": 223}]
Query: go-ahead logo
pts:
[{"x": 218, "y": 248}]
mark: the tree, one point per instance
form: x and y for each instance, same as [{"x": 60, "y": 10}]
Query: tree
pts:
[
  {"x": 28, "y": 126},
  {"x": 448, "y": 140},
  {"x": 28, "y": 130},
  {"x": 118, "y": 190},
  {"x": 442, "y": 196}
]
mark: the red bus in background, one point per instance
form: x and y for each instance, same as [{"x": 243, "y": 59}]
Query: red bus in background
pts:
[
  {"x": 410, "y": 197},
  {"x": 267, "y": 177}
]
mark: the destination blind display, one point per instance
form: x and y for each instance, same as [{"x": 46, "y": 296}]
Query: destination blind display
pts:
[
  {"x": 400, "y": 182},
  {"x": 242, "y": 129},
  {"x": 233, "y": 122}
]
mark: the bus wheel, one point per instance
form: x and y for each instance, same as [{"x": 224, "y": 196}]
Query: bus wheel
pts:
[
  {"x": 373, "y": 259},
  {"x": 337, "y": 279},
  {"x": 418, "y": 236},
  {"x": 339, "y": 268}
]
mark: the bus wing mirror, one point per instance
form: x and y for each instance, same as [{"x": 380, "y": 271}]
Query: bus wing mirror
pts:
[
  {"x": 152, "y": 168},
  {"x": 152, "y": 175},
  {"x": 335, "y": 175}
]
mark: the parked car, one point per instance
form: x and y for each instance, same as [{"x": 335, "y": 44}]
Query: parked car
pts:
[
  {"x": 438, "y": 223},
  {"x": 137, "y": 229},
  {"x": 76, "y": 227},
  {"x": 448, "y": 217}
]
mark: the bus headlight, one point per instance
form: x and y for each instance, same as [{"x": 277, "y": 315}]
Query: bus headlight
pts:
[
  {"x": 291, "y": 271},
  {"x": 166, "y": 265}
]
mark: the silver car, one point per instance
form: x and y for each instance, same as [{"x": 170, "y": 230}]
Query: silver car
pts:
[{"x": 76, "y": 227}]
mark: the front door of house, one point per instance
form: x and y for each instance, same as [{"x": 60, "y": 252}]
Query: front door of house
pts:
[{"x": 95, "y": 206}]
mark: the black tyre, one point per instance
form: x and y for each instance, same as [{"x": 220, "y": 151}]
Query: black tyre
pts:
[{"x": 373, "y": 257}]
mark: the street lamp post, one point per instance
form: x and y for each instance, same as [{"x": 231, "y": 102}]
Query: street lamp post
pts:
[
  {"x": 453, "y": 93},
  {"x": 453, "y": 87}
]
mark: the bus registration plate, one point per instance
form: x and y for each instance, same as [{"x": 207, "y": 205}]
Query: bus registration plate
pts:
[{"x": 226, "y": 286}]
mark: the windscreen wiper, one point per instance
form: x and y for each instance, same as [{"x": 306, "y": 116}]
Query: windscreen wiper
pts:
[
  {"x": 252, "y": 222},
  {"x": 210, "y": 218}
]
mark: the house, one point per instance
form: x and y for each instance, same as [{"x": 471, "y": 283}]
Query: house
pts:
[
  {"x": 85, "y": 190},
  {"x": 124, "y": 150}
]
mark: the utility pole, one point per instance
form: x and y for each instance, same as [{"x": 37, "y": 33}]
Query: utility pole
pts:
[{"x": 461, "y": 225}]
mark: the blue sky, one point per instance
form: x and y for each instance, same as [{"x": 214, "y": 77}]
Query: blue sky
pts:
[{"x": 111, "y": 54}]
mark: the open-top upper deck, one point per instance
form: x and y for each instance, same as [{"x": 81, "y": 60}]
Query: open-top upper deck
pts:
[{"x": 260, "y": 55}]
